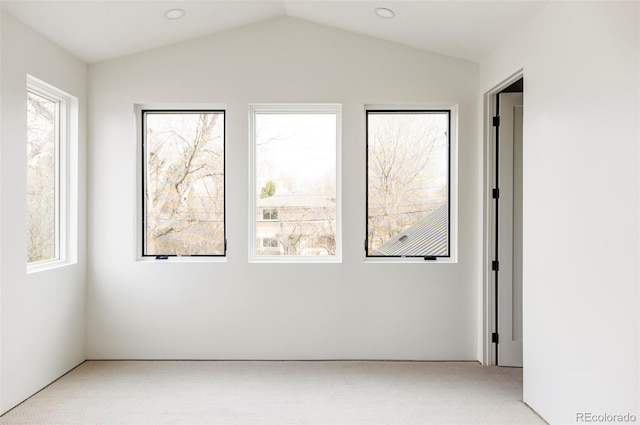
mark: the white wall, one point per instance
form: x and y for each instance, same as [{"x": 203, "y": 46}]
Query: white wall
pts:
[
  {"x": 236, "y": 310},
  {"x": 42, "y": 314},
  {"x": 581, "y": 209}
]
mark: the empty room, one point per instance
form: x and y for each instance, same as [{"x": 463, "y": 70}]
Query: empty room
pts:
[{"x": 319, "y": 212}]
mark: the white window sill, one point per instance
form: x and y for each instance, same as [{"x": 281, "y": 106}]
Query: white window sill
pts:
[
  {"x": 280, "y": 259},
  {"x": 183, "y": 259},
  {"x": 405, "y": 260},
  {"x": 42, "y": 266}
]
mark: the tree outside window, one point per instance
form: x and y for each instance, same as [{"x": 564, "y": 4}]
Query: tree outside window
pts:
[
  {"x": 408, "y": 183},
  {"x": 184, "y": 209},
  {"x": 42, "y": 177},
  {"x": 295, "y": 177}
]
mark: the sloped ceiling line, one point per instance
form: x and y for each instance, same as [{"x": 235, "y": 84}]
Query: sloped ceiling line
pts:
[{"x": 95, "y": 30}]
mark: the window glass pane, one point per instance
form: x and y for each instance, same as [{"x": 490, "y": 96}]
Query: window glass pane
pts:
[
  {"x": 184, "y": 183},
  {"x": 42, "y": 178},
  {"x": 408, "y": 183},
  {"x": 295, "y": 183}
]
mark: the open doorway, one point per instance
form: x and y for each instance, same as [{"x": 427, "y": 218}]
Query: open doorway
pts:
[{"x": 503, "y": 280}]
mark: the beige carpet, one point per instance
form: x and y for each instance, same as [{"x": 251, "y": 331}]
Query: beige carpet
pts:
[{"x": 232, "y": 392}]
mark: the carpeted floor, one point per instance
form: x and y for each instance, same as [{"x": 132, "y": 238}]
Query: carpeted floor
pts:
[{"x": 309, "y": 392}]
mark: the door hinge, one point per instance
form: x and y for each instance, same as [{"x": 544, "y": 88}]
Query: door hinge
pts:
[
  {"x": 494, "y": 338},
  {"x": 496, "y": 121},
  {"x": 495, "y": 194},
  {"x": 495, "y": 265}
]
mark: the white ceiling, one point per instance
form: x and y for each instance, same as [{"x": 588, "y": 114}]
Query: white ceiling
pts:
[{"x": 97, "y": 30}]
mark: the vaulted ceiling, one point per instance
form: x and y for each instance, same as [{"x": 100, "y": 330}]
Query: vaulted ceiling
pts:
[{"x": 97, "y": 30}]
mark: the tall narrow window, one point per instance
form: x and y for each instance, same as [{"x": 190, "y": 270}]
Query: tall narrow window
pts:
[
  {"x": 408, "y": 183},
  {"x": 43, "y": 188},
  {"x": 50, "y": 144},
  {"x": 295, "y": 197},
  {"x": 184, "y": 183}
]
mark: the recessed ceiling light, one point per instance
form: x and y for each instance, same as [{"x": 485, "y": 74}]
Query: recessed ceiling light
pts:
[
  {"x": 174, "y": 13},
  {"x": 385, "y": 13}
]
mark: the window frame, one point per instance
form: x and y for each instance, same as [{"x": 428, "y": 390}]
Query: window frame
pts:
[
  {"x": 65, "y": 175},
  {"x": 293, "y": 108},
  {"x": 140, "y": 111},
  {"x": 452, "y": 182}
]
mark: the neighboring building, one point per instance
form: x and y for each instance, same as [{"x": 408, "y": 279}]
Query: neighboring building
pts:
[
  {"x": 296, "y": 224},
  {"x": 431, "y": 234}
]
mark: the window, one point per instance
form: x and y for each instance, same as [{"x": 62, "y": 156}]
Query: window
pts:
[
  {"x": 183, "y": 207},
  {"x": 294, "y": 183},
  {"x": 51, "y": 144},
  {"x": 269, "y": 214},
  {"x": 409, "y": 183},
  {"x": 270, "y": 243}
]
